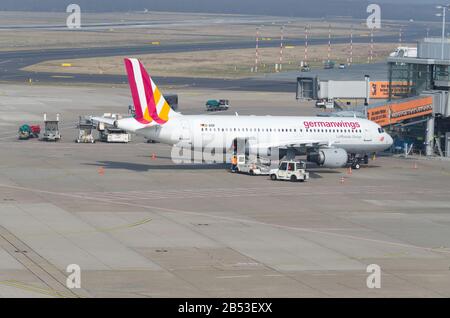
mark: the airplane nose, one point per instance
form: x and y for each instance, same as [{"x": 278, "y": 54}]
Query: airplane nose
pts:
[{"x": 389, "y": 140}]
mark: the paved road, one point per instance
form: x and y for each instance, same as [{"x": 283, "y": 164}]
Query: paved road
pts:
[{"x": 11, "y": 63}]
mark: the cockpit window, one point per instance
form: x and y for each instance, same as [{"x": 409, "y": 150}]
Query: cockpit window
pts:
[{"x": 380, "y": 130}]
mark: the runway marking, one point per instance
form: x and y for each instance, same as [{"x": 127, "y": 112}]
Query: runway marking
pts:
[
  {"x": 248, "y": 264},
  {"x": 62, "y": 76},
  {"x": 232, "y": 192},
  {"x": 126, "y": 226},
  {"x": 411, "y": 204},
  {"x": 96, "y": 230},
  {"x": 236, "y": 276},
  {"x": 232, "y": 219},
  {"x": 34, "y": 289},
  {"x": 36, "y": 264},
  {"x": 188, "y": 194}
]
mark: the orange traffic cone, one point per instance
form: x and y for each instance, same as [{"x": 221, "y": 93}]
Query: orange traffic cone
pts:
[
  {"x": 153, "y": 156},
  {"x": 415, "y": 165},
  {"x": 342, "y": 180},
  {"x": 349, "y": 170},
  {"x": 101, "y": 171}
]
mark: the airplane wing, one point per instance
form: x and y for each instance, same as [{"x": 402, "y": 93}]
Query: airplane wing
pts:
[
  {"x": 294, "y": 144},
  {"x": 108, "y": 121},
  {"x": 128, "y": 123}
]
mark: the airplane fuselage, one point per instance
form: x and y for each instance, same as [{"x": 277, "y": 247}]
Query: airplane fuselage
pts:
[
  {"x": 327, "y": 141},
  {"x": 355, "y": 135}
]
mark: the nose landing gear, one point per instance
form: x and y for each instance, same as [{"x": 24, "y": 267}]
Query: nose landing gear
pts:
[{"x": 355, "y": 161}]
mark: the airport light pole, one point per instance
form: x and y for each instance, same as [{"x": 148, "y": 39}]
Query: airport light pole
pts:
[
  {"x": 367, "y": 100},
  {"x": 256, "y": 50},
  {"x": 351, "y": 46},
  {"x": 281, "y": 48},
  {"x": 329, "y": 43},
  {"x": 444, "y": 9},
  {"x": 306, "y": 45},
  {"x": 371, "y": 46}
]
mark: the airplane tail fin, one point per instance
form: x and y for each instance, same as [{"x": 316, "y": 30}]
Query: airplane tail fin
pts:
[{"x": 149, "y": 104}]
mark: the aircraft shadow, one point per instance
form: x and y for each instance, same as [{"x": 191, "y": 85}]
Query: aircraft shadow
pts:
[
  {"x": 315, "y": 172},
  {"x": 147, "y": 167}
]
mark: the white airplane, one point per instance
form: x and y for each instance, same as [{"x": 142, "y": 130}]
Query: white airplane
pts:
[{"x": 327, "y": 141}]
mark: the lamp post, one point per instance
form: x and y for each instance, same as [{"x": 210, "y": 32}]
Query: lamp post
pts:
[
  {"x": 367, "y": 99},
  {"x": 444, "y": 9},
  {"x": 258, "y": 29},
  {"x": 281, "y": 48}
]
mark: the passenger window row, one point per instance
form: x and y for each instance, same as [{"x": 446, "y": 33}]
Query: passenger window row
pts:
[{"x": 283, "y": 130}]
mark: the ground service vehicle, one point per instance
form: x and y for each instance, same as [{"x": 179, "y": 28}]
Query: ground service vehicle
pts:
[
  {"x": 290, "y": 170},
  {"x": 24, "y": 132},
  {"x": 111, "y": 134},
  {"x": 85, "y": 127},
  {"x": 325, "y": 103},
  {"x": 213, "y": 105},
  {"x": 320, "y": 103},
  {"x": 252, "y": 168},
  {"x": 27, "y": 132},
  {"x": 305, "y": 68},
  {"x": 51, "y": 129},
  {"x": 328, "y": 65}
]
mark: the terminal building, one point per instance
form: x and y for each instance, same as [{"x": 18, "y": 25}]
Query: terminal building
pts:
[{"x": 412, "y": 101}]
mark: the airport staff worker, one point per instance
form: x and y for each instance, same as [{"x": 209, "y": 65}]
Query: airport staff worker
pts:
[{"x": 233, "y": 163}]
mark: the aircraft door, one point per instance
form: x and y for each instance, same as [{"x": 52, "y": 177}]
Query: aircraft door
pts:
[
  {"x": 185, "y": 131},
  {"x": 290, "y": 169},
  {"x": 282, "y": 171},
  {"x": 367, "y": 135}
]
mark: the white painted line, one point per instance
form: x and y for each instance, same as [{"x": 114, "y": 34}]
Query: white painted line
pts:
[
  {"x": 232, "y": 219},
  {"x": 237, "y": 276}
]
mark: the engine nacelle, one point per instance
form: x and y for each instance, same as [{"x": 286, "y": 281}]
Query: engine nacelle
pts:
[{"x": 331, "y": 158}]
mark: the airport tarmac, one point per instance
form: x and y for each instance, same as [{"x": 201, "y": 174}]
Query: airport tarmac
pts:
[
  {"x": 13, "y": 62},
  {"x": 143, "y": 227},
  {"x": 378, "y": 72}
]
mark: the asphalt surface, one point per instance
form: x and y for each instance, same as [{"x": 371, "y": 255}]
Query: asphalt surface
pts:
[
  {"x": 143, "y": 226},
  {"x": 377, "y": 71},
  {"x": 11, "y": 63}
]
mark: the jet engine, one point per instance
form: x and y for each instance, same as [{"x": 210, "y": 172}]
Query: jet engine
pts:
[{"x": 330, "y": 158}]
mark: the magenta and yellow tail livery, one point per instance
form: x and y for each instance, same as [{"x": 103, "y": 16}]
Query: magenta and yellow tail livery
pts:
[{"x": 150, "y": 105}]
